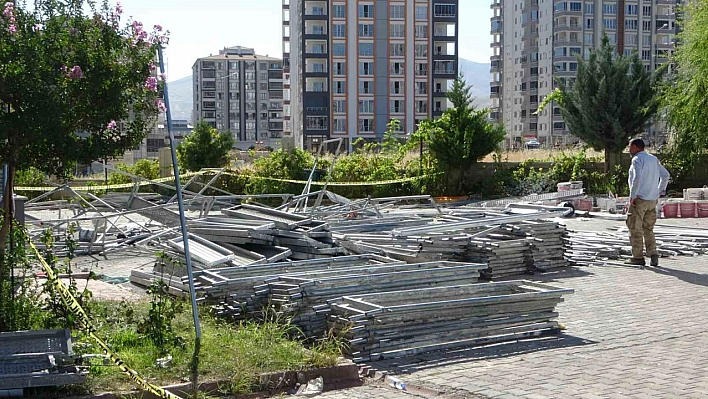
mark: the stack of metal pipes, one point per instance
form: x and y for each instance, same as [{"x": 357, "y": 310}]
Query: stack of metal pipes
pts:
[
  {"x": 295, "y": 298},
  {"x": 547, "y": 243},
  {"x": 402, "y": 323}
]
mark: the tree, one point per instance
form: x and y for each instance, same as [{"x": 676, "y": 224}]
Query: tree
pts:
[
  {"x": 69, "y": 74},
  {"x": 612, "y": 100},
  {"x": 686, "y": 97},
  {"x": 205, "y": 147},
  {"x": 463, "y": 135}
]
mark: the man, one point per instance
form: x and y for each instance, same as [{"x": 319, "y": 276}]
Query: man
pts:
[{"x": 647, "y": 182}]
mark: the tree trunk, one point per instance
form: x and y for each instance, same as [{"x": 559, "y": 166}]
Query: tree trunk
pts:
[
  {"x": 611, "y": 158},
  {"x": 8, "y": 212}
]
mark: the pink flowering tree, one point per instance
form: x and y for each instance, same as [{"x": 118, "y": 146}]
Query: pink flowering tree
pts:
[{"x": 77, "y": 84}]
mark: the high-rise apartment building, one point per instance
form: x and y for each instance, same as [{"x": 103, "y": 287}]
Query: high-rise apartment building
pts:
[
  {"x": 350, "y": 66},
  {"x": 240, "y": 92},
  {"x": 536, "y": 41}
]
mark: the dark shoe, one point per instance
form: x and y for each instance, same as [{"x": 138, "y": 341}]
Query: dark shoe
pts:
[
  {"x": 654, "y": 260},
  {"x": 636, "y": 262}
]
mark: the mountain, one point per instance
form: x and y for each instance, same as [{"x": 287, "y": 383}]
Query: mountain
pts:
[
  {"x": 181, "y": 98},
  {"x": 477, "y": 74}
]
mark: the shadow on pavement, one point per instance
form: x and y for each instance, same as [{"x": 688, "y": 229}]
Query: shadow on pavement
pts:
[
  {"x": 552, "y": 275},
  {"x": 689, "y": 277},
  {"x": 437, "y": 359}
]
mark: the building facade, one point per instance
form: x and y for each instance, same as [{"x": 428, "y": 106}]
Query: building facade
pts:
[
  {"x": 351, "y": 66},
  {"x": 536, "y": 41},
  {"x": 240, "y": 92}
]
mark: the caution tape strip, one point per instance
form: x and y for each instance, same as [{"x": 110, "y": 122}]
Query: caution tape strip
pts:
[
  {"x": 191, "y": 174},
  {"x": 73, "y": 305}
]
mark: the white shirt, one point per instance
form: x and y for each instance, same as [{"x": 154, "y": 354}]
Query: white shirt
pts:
[{"x": 647, "y": 177}]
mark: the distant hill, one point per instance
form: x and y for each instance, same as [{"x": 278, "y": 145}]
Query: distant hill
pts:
[
  {"x": 181, "y": 98},
  {"x": 477, "y": 74}
]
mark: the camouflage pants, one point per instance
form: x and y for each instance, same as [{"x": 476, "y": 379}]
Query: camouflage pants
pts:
[{"x": 641, "y": 219}]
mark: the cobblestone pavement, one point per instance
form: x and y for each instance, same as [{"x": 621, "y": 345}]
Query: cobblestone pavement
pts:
[{"x": 630, "y": 334}]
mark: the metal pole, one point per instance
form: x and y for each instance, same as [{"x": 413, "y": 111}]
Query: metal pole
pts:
[{"x": 183, "y": 222}]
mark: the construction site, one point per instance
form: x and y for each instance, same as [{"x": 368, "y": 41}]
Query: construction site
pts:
[{"x": 517, "y": 297}]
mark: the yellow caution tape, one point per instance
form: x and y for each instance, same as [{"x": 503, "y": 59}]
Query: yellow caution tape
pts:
[
  {"x": 73, "y": 305},
  {"x": 245, "y": 176}
]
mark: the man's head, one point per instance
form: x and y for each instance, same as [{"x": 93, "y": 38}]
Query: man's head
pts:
[{"x": 636, "y": 146}]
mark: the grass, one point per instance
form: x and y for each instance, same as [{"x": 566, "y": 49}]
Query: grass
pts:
[{"x": 236, "y": 353}]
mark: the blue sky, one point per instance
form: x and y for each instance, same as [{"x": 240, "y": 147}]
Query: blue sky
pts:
[{"x": 200, "y": 28}]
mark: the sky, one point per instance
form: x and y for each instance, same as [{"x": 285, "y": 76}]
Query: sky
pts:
[{"x": 201, "y": 28}]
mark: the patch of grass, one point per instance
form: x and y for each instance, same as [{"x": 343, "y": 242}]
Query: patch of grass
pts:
[{"x": 232, "y": 352}]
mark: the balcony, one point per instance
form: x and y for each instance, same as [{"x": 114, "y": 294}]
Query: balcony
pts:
[
  {"x": 317, "y": 110},
  {"x": 496, "y": 4}
]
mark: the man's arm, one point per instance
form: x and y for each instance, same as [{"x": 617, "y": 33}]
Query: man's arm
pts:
[
  {"x": 664, "y": 178},
  {"x": 634, "y": 171}
]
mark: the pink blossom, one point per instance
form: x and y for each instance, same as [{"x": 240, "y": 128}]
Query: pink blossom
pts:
[
  {"x": 119, "y": 8},
  {"x": 9, "y": 10},
  {"x": 76, "y": 72},
  {"x": 163, "y": 77},
  {"x": 37, "y": 27},
  {"x": 157, "y": 28},
  {"x": 151, "y": 84},
  {"x": 152, "y": 66},
  {"x": 12, "y": 29},
  {"x": 112, "y": 125},
  {"x": 160, "y": 105}
]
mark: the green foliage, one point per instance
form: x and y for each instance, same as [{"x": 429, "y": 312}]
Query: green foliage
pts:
[
  {"x": 460, "y": 93},
  {"x": 612, "y": 100},
  {"x": 205, "y": 147},
  {"x": 30, "y": 177},
  {"x": 280, "y": 164},
  {"x": 157, "y": 326},
  {"x": 68, "y": 71},
  {"x": 145, "y": 168},
  {"x": 685, "y": 96}
]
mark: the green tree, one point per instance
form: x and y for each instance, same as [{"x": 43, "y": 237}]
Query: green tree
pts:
[
  {"x": 612, "y": 100},
  {"x": 205, "y": 147},
  {"x": 69, "y": 73},
  {"x": 463, "y": 135},
  {"x": 685, "y": 99}
]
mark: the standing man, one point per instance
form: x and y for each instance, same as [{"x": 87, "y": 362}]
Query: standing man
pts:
[{"x": 647, "y": 182}]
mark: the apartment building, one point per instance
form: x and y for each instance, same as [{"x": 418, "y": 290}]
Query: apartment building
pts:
[
  {"x": 240, "y": 92},
  {"x": 536, "y": 41},
  {"x": 350, "y": 66}
]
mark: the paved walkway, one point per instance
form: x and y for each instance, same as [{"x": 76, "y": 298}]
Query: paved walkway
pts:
[{"x": 630, "y": 334}]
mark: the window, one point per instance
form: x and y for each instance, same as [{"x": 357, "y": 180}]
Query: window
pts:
[
  {"x": 421, "y": 32},
  {"x": 340, "y": 125},
  {"x": 396, "y": 106},
  {"x": 421, "y": 13},
  {"x": 630, "y": 24},
  {"x": 397, "y": 68},
  {"x": 250, "y": 76},
  {"x": 562, "y": 6},
  {"x": 576, "y": 6},
  {"x": 366, "y": 11},
  {"x": 572, "y": 66},
  {"x": 397, "y": 50},
  {"x": 366, "y": 68},
  {"x": 534, "y": 98},
  {"x": 339, "y": 106},
  {"x": 366, "y": 49},
  {"x": 589, "y": 23},
  {"x": 558, "y": 125},
  {"x": 366, "y": 125},
  {"x": 396, "y": 87},
  {"x": 609, "y": 23},
  {"x": 339, "y": 68},
  {"x": 264, "y": 96},
  {"x": 397, "y": 11},
  {"x": 421, "y": 106},
  {"x": 339, "y": 87},
  {"x": 631, "y": 39},
  {"x": 574, "y": 51},
  {"x": 631, "y": 9},
  {"x": 646, "y": 55},
  {"x": 210, "y": 94},
  {"x": 339, "y": 11},
  {"x": 366, "y": 106},
  {"x": 590, "y": 8},
  {"x": 421, "y": 50},
  {"x": 365, "y": 87},
  {"x": 250, "y": 125},
  {"x": 534, "y": 71},
  {"x": 339, "y": 49},
  {"x": 445, "y": 10},
  {"x": 421, "y": 87},
  {"x": 421, "y": 69},
  {"x": 646, "y": 40},
  {"x": 560, "y": 52},
  {"x": 588, "y": 38},
  {"x": 366, "y": 30},
  {"x": 613, "y": 38},
  {"x": 609, "y": 9},
  {"x": 339, "y": 30},
  {"x": 208, "y": 104},
  {"x": 646, "y": 25},
  {"x": 397, "y": 30},
  {"x": 646, "y": 11}
]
